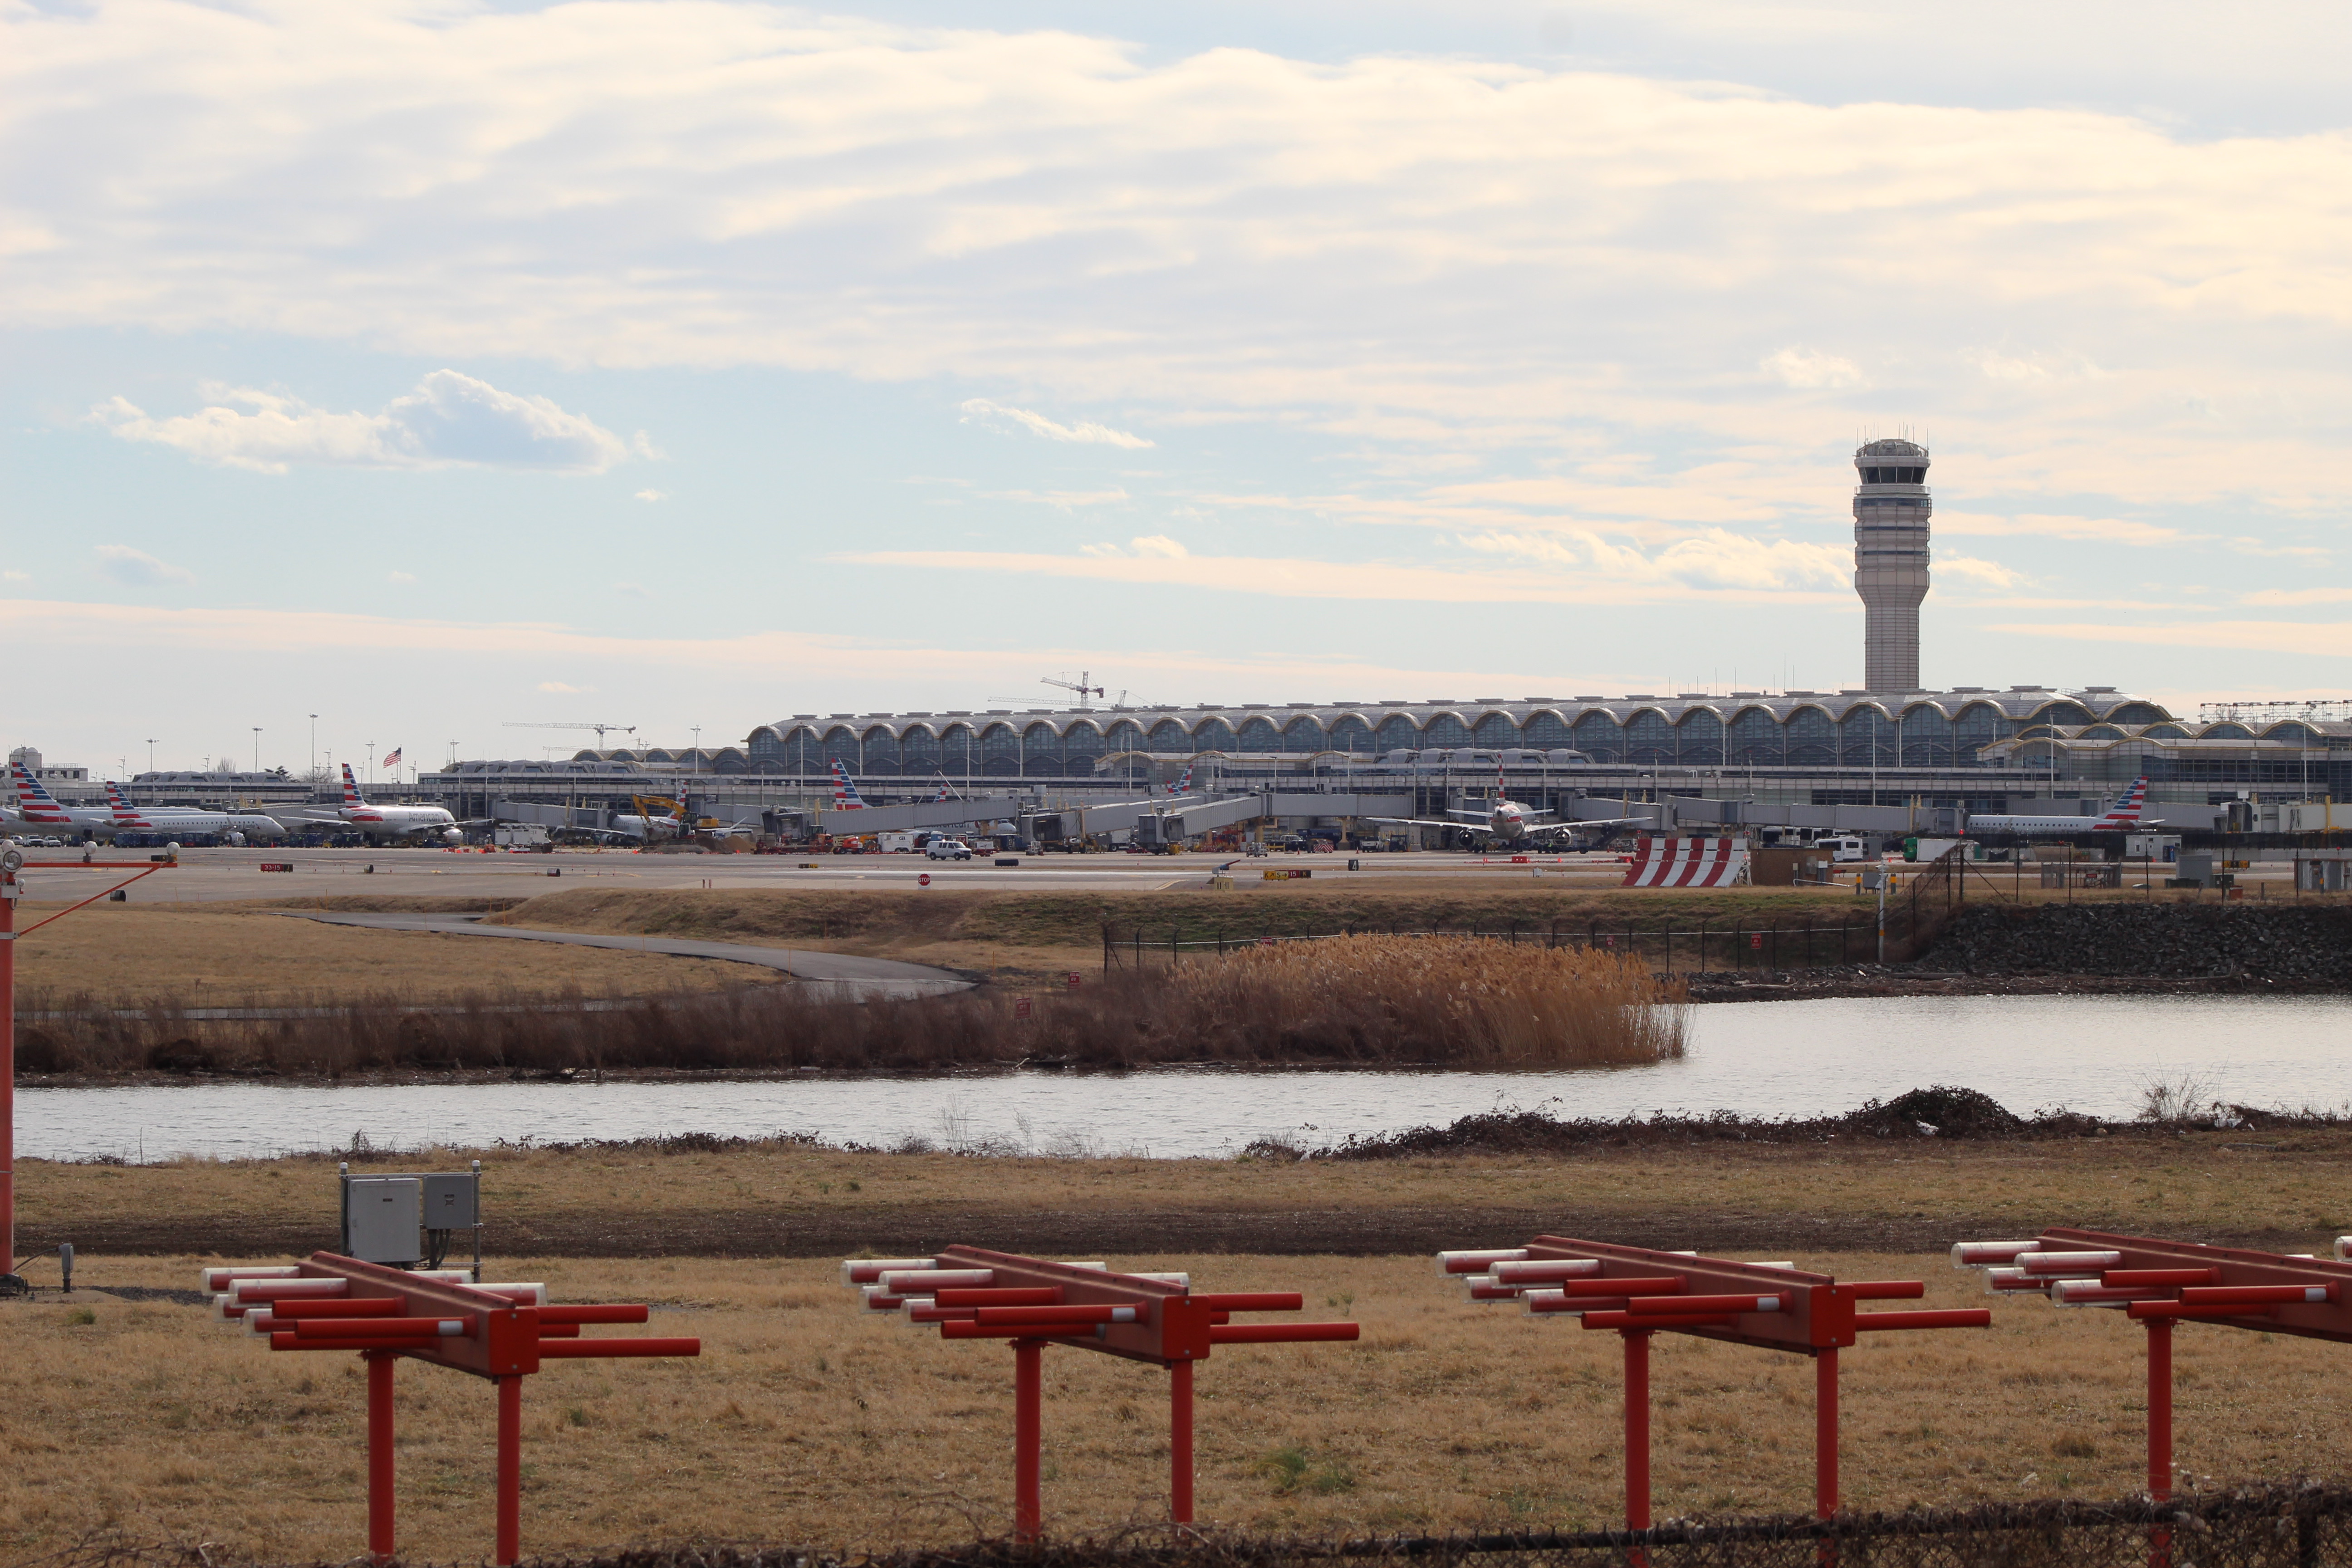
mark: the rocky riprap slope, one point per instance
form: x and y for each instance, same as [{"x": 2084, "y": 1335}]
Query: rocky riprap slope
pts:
[{"x": 2279, "y": 945}]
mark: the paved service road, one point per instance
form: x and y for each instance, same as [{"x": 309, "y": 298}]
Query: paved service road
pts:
[{"x": 851, "y": 975}]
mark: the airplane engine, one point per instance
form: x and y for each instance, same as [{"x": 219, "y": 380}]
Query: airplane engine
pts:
[
  {"x": 236, "y": 840},
  {"x": 453, "y": 836}
]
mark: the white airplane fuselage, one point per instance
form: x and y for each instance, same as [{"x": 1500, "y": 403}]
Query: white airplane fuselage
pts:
[{"x": 403, "y": 821}]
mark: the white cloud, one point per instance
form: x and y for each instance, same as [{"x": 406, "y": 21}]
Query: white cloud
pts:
[
  {"x": 631, "y": 590},
  {"x": 400, "y": 576},
  {"x": 12, "y": 575},
  {"x": 1807, "y": 369},
  {"x": 1157, "y": 545},
  {"x": 1968, "y": 568},
  {"x": 981, "y": 408},
  {"x": 560, "y": 689},
  {"x": 137, "y": 569},
  {"x": 651, "y": 495},
  {"x": 450, "y": 419},
  {"x": 1065, "y": 500},
  {"x": 1713, "y": 558}
]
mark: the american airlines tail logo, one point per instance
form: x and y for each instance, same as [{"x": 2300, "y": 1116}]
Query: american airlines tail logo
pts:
[
  {"x": 123, "y": 811},
  {"x": 844, "y": 793},
  {"x": 2127, "y": 810},
  {"x": 1182, "y": 785},
  {"x": 34, "y": 801},
  {"x": 351, "y": 796}
]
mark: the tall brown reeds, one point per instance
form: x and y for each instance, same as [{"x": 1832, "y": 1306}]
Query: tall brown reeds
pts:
[{"x": 1368, "y": 1000}]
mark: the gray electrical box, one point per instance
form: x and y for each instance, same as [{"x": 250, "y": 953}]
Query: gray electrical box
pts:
[
  {"x": 408, "y": 1220},
  {"x": 449, "y": 1202},
  {"x": 383, "y": 1218}
]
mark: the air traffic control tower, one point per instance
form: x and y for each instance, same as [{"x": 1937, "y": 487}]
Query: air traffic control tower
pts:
[{"x": 1891, "y": 507}]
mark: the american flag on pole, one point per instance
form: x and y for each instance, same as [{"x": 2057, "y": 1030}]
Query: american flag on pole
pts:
[{"x": 392, "y": 758}]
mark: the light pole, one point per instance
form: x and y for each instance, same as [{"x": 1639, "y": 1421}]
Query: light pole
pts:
[
  {"x": 697, "y": 746},
  {"x": 257, "y": 748},
  {"x": 151, "y": 754},
  {"x": 314, "y": 747}
]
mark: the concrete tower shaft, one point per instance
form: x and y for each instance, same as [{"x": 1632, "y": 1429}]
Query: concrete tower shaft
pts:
[{"x": 1891, "y": 508}]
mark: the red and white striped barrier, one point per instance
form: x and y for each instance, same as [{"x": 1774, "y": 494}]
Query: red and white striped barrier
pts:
[
  {"x": 971, "y": 1294},
  {"x": 1686, "y": 863},
  {"x": 498, "y": 1331}
]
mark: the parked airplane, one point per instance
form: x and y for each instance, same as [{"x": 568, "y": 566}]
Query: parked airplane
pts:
[
  {"x": 38, "y": 808},
  {"x": 186, "y": 821},
  {"x": 1182, "y": 785},
  {"x": 1508, "y": 821},
  {"x": 2126, "y": 815},
  {"x": 395, "y": 821},
  {"x": 844, "y": 793}
]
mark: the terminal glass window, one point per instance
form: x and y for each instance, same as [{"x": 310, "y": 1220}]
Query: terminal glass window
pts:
[
  {"x": 1867, "y": 739},
  {"x": 1082, "y": 746},
  {"x": 1259, "y": 735},
  {"x": 2292, "y": 734},
  {"x": 1170, "y": 736},
  {"x": 2067, "y": 713},
  {"x": 919, "y": 749},
  {"x": 1701, "y": 739},
  {"x": 1040, "y": 751},
  {"x": 999, "y": 751},
  {"x": 2228, "y": 732},
  {"x": 881, "y": 751},
  {"x": 959, "y": 752},
  {"x": 1496, "y": 730},
  {"x": 1599, "y": 737},
  {"x": 1444, "y": 730},
  {"x": 1546, "y": 732},
  {"x": 1755, "y": 739},
  {"x": 1926, "y": 739},
  {"x": 1811, "y": 737},
  {"x": 841, "y": 746},
  {"x": 1214, "y": 735},
  {"x": 1126, "y": 735},
  {"x": 1649, "y": 739},
  {"x": 1303, "y": 736},
  {"x": 768, "y": 751},
  {"x": 2137, "y": 713},
  {"x": 1396, "y": 733},
  {"x": 1979, "y": 724},
  {"x": 1349, "y": 735}
]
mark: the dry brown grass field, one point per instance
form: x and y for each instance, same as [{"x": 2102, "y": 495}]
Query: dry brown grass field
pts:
[
  {"x": 204, "y": 954},
  {"x": 804, "y": 1421},
  {"x": 2283, "y": 1190}
]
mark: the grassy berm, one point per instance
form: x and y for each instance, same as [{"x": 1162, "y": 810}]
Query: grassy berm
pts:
[{"x": 805, "y": 1421}]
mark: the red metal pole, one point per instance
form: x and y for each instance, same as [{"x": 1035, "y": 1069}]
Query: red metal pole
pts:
[
  {"x": 8, "y": 1084},
  {"x": 2160, "y": 1433},
  {"x": 1179, "y": 1441},
  {"x": 2159, "y": 1408},
  {"x": 1825, "y": 1433},
  {"x": 509, "y": 1470},
  {"x": 1637, "y": 1427},
  {"x": 379, "y": 1450},
  {"x": 1028, "y": 1375}
]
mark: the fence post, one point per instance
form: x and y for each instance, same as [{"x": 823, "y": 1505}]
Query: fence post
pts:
[{"x": 1028, "y": 1358}]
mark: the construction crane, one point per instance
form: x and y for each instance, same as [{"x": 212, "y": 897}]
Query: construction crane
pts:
[
  {"x": 628, "y": 730},
  {"x": 1079, "y": 687}
]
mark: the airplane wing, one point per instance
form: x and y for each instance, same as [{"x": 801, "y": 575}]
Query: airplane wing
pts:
[
  {"x": 1595, "y": 822},
  {"x": 1478, "y": 827}
]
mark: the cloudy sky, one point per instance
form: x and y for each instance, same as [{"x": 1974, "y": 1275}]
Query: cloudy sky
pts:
[{"x": 431, "y": 366}]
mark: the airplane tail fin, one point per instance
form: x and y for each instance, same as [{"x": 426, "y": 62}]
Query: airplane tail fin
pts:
[
  {"x": 34, "y": 801},
  {"x": 2127, "y": 810},
  {"x": 844, "y": 793},
  {"x": 351, "y": 796},
  {"x": 1182, "y": 785}
]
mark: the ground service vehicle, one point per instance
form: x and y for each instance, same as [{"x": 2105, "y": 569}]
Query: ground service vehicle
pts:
[{"x": 944, "y": 849}]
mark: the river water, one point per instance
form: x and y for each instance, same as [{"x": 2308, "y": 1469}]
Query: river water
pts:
[{"x": 2093, "y": 1054}]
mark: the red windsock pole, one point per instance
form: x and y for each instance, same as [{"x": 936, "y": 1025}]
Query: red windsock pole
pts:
[
  {"x": 379, "y": 1454},
  {"x": 1179, "y": 1441}
]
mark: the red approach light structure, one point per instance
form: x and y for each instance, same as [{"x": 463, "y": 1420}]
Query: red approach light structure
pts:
[
  {"x": 974, "y": 1294},
  {"x": 12, "y": 864},
  {"x": 501, "y": 1332},
  {"x": 2159, "y": 1283},
  {"x": 1638, "y": 1292}
]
